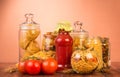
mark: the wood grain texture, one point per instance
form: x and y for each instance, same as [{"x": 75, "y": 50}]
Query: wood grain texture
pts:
[{"x": 114, "y": 72}]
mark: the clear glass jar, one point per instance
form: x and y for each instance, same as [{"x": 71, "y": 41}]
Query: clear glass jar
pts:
[
  {"x": 48, "y": 42},
  {"x": 101, "y": 46},
  {"x": 29, "y": 38},
  {"x": 106, "y": 52},
  {"x": 96, "y": 45},
  {"x": 79, "y": 36},
  {"x": 85, "y": 61}
]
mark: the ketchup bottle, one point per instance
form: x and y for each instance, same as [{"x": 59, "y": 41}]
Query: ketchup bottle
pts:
[{"x": 63, "y": 44}]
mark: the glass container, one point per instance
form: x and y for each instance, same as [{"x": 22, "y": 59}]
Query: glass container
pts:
[
  {"x": 84, "y": 61},
  {"x": 106, "y": 52},
  {"x": 63, "y": 44},
  {"x": 79, "y": 36},
  {"x": 48, "y": 42},
  {"x": 101, "y": 46},
  {"x": 29, "y": 38}
]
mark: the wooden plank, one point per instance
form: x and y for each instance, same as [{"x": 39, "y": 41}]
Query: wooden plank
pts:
[{"x": 114, "y": 72}]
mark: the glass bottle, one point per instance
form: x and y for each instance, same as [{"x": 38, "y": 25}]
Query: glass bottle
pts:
[
  {"x": 29, "y": 38},
  {"x": 63, "y": 44}
]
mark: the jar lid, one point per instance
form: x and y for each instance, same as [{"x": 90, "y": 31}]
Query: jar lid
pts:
[
  {"x": 78, "y": 30},
  {"x": 29, "y": 23}
]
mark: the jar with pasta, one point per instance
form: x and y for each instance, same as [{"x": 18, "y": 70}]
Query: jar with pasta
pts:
[
  {"x": 48, "y": 42},
  {"x": 84, "y": 61},
  {"x": 29, "y": 38},
  {"x": 96, "y": 45},
  {"x": 79, "y": 36},
  {"x": 105, "y": 53},
  {"x": 101, "y": 47}
]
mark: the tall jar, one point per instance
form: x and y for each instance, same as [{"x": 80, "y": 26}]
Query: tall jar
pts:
[
  {"x": 29, "y": 38},
  {"x": 79, "y": 36},
  {"x": 63, "y": 44},
  {"x": 106, "y": 52}
]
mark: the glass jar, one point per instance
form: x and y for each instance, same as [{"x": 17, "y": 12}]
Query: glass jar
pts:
[
  {"x": 84, "y": 61},
  {"x": 79, "y": 36},
  {"x": 48, "y": 42},
  {"x": 106, "y": 52},
  {"x": 63, "y": 44},
  {"x": 29, "y": 38},
  {"x": 96, "y": 44},
  {"x": 101, "y": 47}
]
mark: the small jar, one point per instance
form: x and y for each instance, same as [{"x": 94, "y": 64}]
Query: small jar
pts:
[
  {"x": 48, "y": 42},
  {"x": 29, "y": 38}
]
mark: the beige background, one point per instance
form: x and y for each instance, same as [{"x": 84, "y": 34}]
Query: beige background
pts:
[{"x": 100, "y": 18}]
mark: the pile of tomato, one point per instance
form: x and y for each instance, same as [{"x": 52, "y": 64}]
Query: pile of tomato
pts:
[{"x": 34, "y": 67}]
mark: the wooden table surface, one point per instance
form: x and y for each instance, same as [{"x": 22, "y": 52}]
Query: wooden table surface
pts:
[{"x": 114, "y": 72}]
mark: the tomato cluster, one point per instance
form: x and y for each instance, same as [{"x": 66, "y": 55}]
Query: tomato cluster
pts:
[{"x": 33, "y": 67}]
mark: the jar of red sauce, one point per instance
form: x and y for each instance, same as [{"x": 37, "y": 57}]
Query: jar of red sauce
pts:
[{"x": 63, "y": 44}]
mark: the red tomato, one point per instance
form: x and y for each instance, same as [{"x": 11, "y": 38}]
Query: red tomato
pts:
[
  {"x": 49, "y": 66},
  {"x": 21, "y": 67},
  {"x": 33, "y": 67}
]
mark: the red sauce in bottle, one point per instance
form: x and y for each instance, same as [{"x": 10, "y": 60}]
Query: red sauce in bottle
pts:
[{"x": 63, "y": 43}]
